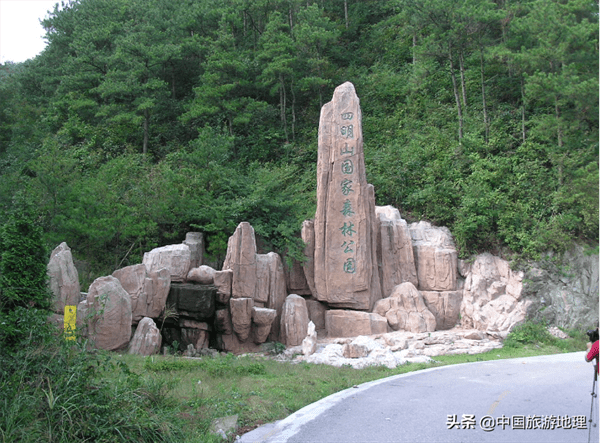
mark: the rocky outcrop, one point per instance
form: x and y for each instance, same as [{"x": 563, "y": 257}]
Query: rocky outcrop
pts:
[
  {"x": 195, "y": 242},
  {"x": 395, "y": 348},
  {"x": 175, "y": 258},
  {"x": 308, "y": 237},
  {"x": 259, "y": 277},
  {"x": 316, "y": 314},
  {"x": 564, "y": 292},
  {"x": 341, "y": 323},
  {"x": 222, "y": 281},
  {"x": 241, "y": 316},
  {"x": 345, "y": 226},
  {"x": 435, "y": 256},
  {"x": 148, "y": 291},
  {"x": 445, "y": 307},
  {"x": 263, "y": 319},
  {"x": 108, "y": 314},
  {"x": 202, "y": 274},
  {"x": 309, "y": 344},
  {"x": 195, "y": 302},
  {"x": 492, "y": 295},
  {"x": 63, "y": 278},
  {"x": 241, "y": 259},
  {"x": 405, "y": 310},
  {"x": 194, "y": 333},
  {"x": 146, "y": 339},
  {"x": 396, "y": 257},
  {"x": 294, "y": 321}
]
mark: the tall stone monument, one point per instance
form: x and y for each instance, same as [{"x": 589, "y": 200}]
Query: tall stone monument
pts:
[{"x": 345, "y": 227}]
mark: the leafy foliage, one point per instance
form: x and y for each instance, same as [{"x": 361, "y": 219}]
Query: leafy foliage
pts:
[{"x": 140, "y": 122}]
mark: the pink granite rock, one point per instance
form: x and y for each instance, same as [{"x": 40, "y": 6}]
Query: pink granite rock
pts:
[
  {"x": 294, "y": 321},
  {"x": 202, "y": 274},
  {"x": 223, "y": 323},
  {"x": 316, "y": 314},
  {"x": 345, "y": 261},
  {"x": 262, "y": 318},
  {"x": 396, "y": 256},
  {"x": 222, "y": 280},
  {"x": 241, "y": 259},
  {"x": 148, "y": 291},
  {"x": 308, "y": 237},
  {"x": 492, "y": 296},
  {"x": 445, "y": 307},
  {"x": 405, "y": 309},
  {"x": 436, "y": 257},
  {"x": 342, "y": 323},
  {"x": 146, "y": 339},
  {"x": 63, "y": 278},
  {"x": 175, "y": 258},
  {"x": 109, "y": 312},
  {"x": 241, "y": 316}
]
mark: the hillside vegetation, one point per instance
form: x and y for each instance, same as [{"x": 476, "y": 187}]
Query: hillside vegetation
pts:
[{"x": 144, "y": 119}]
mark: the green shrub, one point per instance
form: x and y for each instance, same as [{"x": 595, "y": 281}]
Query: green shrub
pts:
[{"x": 529, "y": 332}]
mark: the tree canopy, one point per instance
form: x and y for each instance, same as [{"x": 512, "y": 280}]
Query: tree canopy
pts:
[{"x": 142, "y": 120}]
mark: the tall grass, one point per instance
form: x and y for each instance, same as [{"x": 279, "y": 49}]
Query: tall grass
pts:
[{"x": 59, "y": 392}]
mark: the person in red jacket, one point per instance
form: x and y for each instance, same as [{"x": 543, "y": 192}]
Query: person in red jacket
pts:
[{"x": 592, "y": 349}]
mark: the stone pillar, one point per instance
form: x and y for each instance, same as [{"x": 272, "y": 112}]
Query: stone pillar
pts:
[{"x": 345, "y": 262}]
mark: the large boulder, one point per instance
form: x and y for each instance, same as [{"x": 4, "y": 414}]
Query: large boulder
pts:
[
  {"x": 445, "y": 307},
  {"x": 175, "y": 258},
  {"x": 203, "y": 274},
  {"x": 343, "y": 323},
  {"x": 146, "y": 339},
  {"x": 63, "y": 278},
  {"x": 241, "y": 259},
  {"x": 263, "y": 319},
  {"x": 345, "y": 251},
  {"x": 196, "y": 302},
  {"x": 405, "y": 310},
  {"x": 492, "y": 295},
  {"x": 241, "y": 316},
  {"x": 108, "y": 310},
  {"x": 294, "y": 320},
  {"x": 435, "y": 256},
  {"x": 396, "y": 257},
  {"x": 148, "y": 290},
  {"x": 222, "y": 281}
]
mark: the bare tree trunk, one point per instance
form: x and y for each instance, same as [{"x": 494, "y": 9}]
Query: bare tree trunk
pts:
[
  {"x": 484, "y": 105},
  {"x": 461, "y": 61},
  {"x": 456, "y": 95},
  {"x": 283, "y": 104},
  {"x": 146, "y": 125},
  {"x": 293, "y": 112},
  {"x": 346, "y": 12},
  {"x": 414, "y": 48},
  {"x": 523, "y": 133}
]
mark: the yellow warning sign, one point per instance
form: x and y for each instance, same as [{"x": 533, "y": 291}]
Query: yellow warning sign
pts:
[{"x": 70, "y": 322}]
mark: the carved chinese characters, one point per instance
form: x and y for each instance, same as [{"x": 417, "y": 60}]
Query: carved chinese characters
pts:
[{"x": 344, "y": 258}]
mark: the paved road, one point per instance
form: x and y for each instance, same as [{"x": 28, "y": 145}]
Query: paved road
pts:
[{"x": 535, "y": 399}]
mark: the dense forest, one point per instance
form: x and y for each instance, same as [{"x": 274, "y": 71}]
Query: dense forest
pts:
[{"x": 145, "y": 119}]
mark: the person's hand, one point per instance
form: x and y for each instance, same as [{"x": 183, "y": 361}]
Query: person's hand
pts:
[{"x": 589, "y": 346}]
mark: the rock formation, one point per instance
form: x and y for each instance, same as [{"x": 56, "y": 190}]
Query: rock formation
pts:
[
  {"x": 345, "y": 226},
  {"x": 263, "y": 319},
  {"x": 148, "y": 290},
  {"x": 492, "y": 295},
  {"x": 175, "y": 258},
  {"x": 396, "y": 257},
  {"x": 202, "y": 274},
  {"x": 405, "y": 310},
  {"x": 146, "y": 339},
  {"x": 107, "y": 313},
  {"x": 436, "y": 257},
  {"x": 294, "y": 320},
  {"x": 64, "y": 279},
  {"x": 309, "y": 344},
  {"x": 342, "y": 323},
  {"x": 195, "y": 242}
]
